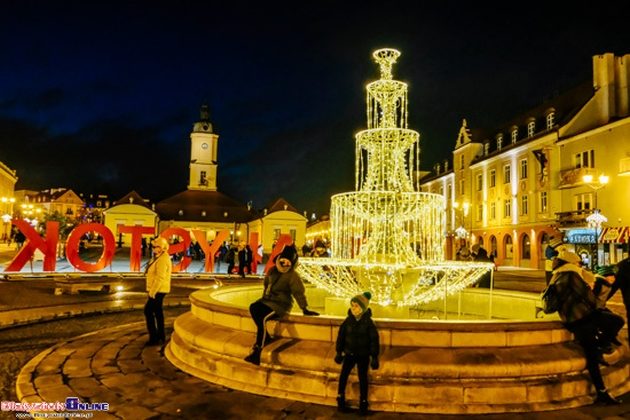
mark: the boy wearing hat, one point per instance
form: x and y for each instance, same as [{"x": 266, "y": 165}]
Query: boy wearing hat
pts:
[
  {"x": 158, "y": 284},
  {"x": 282, "y": 283},
  {"x": 357, "y": 341},
  {"x": 579, "y": 314}
]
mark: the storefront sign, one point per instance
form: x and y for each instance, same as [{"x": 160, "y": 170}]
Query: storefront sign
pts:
[{"x": 581, "y": 236}]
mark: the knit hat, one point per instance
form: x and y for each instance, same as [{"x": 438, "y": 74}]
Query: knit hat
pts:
[
  {"x": 363, "y": 300},
  {"x": 290, "y": 253},
  {"x": 555, "y": 242},
  {"x": 605, "y": 270},
  {"x": 570, "y": 257}
]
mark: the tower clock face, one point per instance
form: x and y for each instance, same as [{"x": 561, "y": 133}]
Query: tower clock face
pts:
[{"x": 204, "y": 145}]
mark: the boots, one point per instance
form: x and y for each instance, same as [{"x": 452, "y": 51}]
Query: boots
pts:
[
  {"x": 363, "y": 407},
  {"x": 254, "y": 356},
  {"x": 341, "y": 403},
  {"x": 604, "y": 398}
]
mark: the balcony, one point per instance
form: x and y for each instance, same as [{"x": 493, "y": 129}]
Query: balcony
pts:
[
  {"x": 572, "y": 178},
  {"x": 576, "y": 218}
]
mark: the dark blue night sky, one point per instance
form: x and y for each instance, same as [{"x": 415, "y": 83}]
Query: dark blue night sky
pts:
[{"x": 101, "y": 96}]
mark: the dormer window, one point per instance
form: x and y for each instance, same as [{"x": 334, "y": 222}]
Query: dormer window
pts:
[
  {"x": 531, "y": 127},
  {"x": 486, "y": 149},
  {"x": 551, "y": 116},
  {"x": 499, "y": 141},
  {"x": 514, "y": 134}
]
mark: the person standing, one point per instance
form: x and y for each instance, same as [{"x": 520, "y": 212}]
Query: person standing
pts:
[
  {"x": 281, "y": 285},
  {"x": 579, "y": 315},
  {"x": 158, "y": 274},
  {"x": 480, "y": 254},
  {"x": 357, "y": 342},
  {"x": 242, "y": 259}
]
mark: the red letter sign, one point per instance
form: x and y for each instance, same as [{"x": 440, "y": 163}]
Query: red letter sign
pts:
[
  {"x": 34, "y": 241},
  {"x": 72, "y": 247},
  {"x": 181, "y": 247},
  {"x": 208, "y": 249},
  {"x": 135, "y": 255},
  {"x": 283, "y": 240}
]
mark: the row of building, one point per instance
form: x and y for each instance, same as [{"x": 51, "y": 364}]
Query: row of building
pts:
[
  {"x": 562, "y": 168},
  {"x": 200, "y": 207}
]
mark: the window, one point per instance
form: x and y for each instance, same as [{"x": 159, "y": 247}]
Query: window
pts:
[
  {"x": 550, "y": 120},
  {"x": 514, "y": 134},
  {"x": 293, "y": 233},
  {"x": 543, "y": 201},
  {"x": 525, "y": 247},
  {"x": 276, "y": 233},
  {"x": 507, "y": 208},
  {"x": 493, "y": 178},
  {"x": 461, "y": 161},
  {"x": 449, "y": 190},
  {"x": 524, "y": 169},
  {"x": 585, "y": 159},
  {"x": 479, "y": 212},
  {"x": 583, "y": 201},
  {"x": 499, "y": 141},
  {"x": 493, "y": 210},
  {"x": 531, "y": 127},
  {"x": 202, "y": 178},
  {"x": 479, "y": 182},
  {"x": 461, "y": 187},
  {"x": 524, "y": 205},
  {"x": 486, "y": 149},
  {"x": 506, "y": 174},
  {"x": 441, "y": 190}
]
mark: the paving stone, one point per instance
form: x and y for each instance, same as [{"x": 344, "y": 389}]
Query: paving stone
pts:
[
  {"x": 85, "y": 387},
  {"x": 135, "y": 412},
  {"x": 44, "y": 381},
  {"x": 131, "y": 366},
  {"x": 77, "y": 368}
]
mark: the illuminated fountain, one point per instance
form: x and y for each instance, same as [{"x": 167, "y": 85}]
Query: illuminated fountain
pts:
[
  {"x": 387, "y": 237},
  {"x": 490, "y": 352}
]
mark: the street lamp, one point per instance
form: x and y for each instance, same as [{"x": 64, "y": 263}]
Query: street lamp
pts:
[
  {"x": 595, "y": 221},
  {"x": 603, "y": 180}
]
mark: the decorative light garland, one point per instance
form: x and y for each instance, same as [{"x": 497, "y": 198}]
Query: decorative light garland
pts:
[{"x": 387, "y": 237}]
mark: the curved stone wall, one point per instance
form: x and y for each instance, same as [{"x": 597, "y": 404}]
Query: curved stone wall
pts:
[{"x": 426, "y": 366}]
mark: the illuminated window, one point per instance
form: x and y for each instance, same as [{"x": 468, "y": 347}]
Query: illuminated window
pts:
[
  {"x": 583, "y": 201},
  {"x": 507, "y": 208},
  {"x": 493, "y": 178},
  {"x": 486, "y": 149},
  {"x": 479, "y": 212},
  {"x": 525, "y": 247},
  {"x": 461, "y": 187},
  {"x": 276, "y": 233},
  {"x": 499, "y": 141},
  {"x": 507, "y": 170},
  {"x": 531, "y": 127},
  {"x": 293, "y": 233},
  {"x": 493, "y": 210},
  {"x": 524, "y": 169},
  {"x": 514, "y": 134},
  {"x": 585, "y": 159},
  {"x": 449, "y": 191},
  {"x": 543, "y": 201},
  {"x": 550, "y": 120},
  {"x": 479, "y": 182},
  {"x": 524, "y": 205}
]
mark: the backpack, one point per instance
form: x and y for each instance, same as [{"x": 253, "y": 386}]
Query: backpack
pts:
[{"x": 551, "y": 301}]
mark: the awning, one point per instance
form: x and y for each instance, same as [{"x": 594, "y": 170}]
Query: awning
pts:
[{"x": 612, "y": 235}]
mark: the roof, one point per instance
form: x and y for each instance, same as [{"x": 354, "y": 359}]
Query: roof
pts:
[
  {"x": 281, "y": 205},
  {"x": 132, "y": 197},
  {"x": 203, "y": 206}
]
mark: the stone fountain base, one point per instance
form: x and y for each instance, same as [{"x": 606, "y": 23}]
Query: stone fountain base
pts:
[{"x": 442, "y": 367}]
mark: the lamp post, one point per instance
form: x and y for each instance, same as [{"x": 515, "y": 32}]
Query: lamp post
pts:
[
  {"x": 596, "y": 219},
  {"x": 596, "y": 186}
]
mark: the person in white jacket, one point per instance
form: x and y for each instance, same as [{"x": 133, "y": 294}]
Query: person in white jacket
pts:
[{"x": 158, "y": 285}]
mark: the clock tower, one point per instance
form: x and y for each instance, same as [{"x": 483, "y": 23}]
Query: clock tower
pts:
[{"x": 203, "y": 154}]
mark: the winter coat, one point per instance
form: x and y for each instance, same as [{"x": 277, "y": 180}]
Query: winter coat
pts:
[
  {"x": 578, "y": 300},
  {"x": 159, "y": 275},
  {"x": 281, "y": 288},
  {"x": 358, "y": 337}
]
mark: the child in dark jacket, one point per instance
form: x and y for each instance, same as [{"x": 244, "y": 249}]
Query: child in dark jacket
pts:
[{"x": 357, "y": 341}]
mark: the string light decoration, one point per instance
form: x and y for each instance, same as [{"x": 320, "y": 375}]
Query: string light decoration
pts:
[{"x": 387, "y": 237}]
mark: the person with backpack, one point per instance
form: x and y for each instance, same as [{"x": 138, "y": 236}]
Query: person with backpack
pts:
[{"x": 573, "y": 299}]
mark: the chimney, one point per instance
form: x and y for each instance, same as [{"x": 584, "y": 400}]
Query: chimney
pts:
[
  {"x": 622, "y": 74},
  {"x": 604, "y": 84}
]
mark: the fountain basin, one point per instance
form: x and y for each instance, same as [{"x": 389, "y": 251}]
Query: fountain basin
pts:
[{"x": 427, "y": 366}]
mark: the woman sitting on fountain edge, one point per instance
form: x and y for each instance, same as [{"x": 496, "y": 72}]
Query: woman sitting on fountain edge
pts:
[{"x": 281, "y": 285}]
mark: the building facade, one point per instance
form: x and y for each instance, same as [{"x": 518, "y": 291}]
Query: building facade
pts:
[
  {"x": 8, "y": 178},
  {"x": 511, "y": 188}
]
